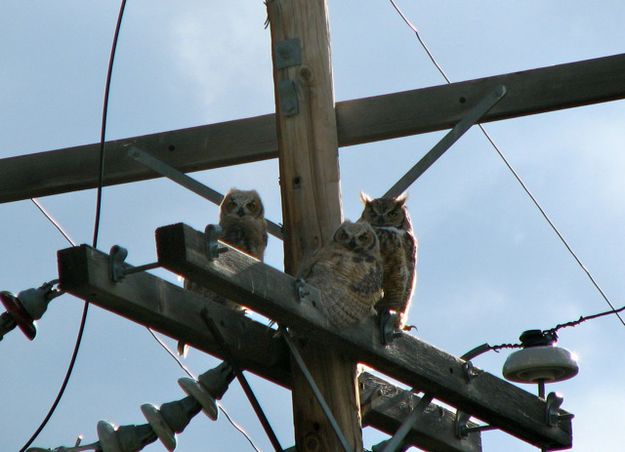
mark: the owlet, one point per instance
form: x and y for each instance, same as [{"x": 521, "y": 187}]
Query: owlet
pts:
[
  {"x": 242, "y": 218},
  {"x": 348, "y": 273},
  {"x": 398, "y": 246}
]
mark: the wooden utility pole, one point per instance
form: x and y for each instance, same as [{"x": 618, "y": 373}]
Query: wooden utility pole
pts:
[
  {"x": 309, "y": 129},
  {"x": 311, "y": 202}
]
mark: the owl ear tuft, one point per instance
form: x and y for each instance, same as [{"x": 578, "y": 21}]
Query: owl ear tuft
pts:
[
  {"x": 365, "y": 198},
  {"x": 401, "y": 199}
]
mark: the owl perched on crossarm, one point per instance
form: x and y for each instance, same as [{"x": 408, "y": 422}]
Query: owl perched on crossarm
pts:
[
  {"x": 398, "y": 247},
  {"x": 348, "y": 273},
  {"x": 242, "y": 219}
]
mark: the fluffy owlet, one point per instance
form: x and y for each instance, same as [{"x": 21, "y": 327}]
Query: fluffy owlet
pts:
[
  {"x": 398, "y": 247},
  {"x": 242, "y": 218},
  {"x": 348, "y": 273}
]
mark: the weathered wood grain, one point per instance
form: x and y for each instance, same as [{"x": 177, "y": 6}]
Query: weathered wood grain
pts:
[
  {"x": 169, "y": 309},
  {"x": 416, "y": 363},
  {"x": 311, "y": 208},
  {"x": 358, "y": 121}
]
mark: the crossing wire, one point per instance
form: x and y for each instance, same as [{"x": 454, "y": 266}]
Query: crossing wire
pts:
[
  {"x": 96, "y": 230},
  {"x": 513, "y": 171},
  {"x": 67, "y": 237}
]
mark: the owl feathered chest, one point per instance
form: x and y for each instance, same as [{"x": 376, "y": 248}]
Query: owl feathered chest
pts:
[
  {"x": 350, "y": 283},
  {"x": 396, "y": 245},
  {"x": 247, "y": 234}
]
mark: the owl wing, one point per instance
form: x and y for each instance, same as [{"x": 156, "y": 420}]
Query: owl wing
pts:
[
  {"x": 369, "y": 284},
  {"x": 411, "y": 246}
]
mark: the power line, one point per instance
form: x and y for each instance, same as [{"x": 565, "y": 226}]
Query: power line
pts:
[
  {"x": 53, "y": 220},
  {"x": 550, "y": 333},
  {"x": 190, "y": 374},
  {"x": 85, "y": 311},
  {"x": 67, "y": 237},
  {"x": 512, "y": 170}
]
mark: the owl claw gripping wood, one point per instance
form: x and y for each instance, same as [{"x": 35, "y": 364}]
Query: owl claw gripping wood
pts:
[{"x": 398, "y": 246}]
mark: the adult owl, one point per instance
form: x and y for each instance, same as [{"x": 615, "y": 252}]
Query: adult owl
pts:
[
  {"x": 398, "y": 246},
  {"x": 348, "y": 273},
  {"x": 242, "y": 219}
]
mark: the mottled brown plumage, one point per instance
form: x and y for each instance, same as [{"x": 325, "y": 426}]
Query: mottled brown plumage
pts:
[
  {"x": 398, "y": 246},
  {"x": 348, "y": 272},
  {"x": 242, "y": 218}
]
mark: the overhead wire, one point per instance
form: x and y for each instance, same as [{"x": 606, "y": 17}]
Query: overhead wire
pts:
[
  {"x": 96, "y": 229},
  {"x": 53, "y": 220},
  {"x": 191, "y": 375},
  {"x": 512, "y": 170},
  {"x": 550, "y": 333}
]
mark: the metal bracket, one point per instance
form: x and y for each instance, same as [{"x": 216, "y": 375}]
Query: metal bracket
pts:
[
  {"x": 301, "y": 288},
  {"x": 396, "y": 442},
  {"x": 388, "y": 332},
  {"x": 287, "y": 91},
  {"x": 189, "y": 183},
  {"x": 288, "y": 53},
  {"x": 117, "y": 256},
  {"x": 470, "y": 371},
  {"x": 315, "y": 389},
  {"x": 471, "y": 118},
  {"x": 462, "y": 430},
  {"x": 212, "y": 233},
  {"x": 118, "y": 269},
  {"x": 552, "y": 410}
]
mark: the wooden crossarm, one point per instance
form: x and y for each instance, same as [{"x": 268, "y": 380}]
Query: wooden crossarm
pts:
[
  {"x": 358, "y": 121},
  {"x": 270, "y": 292},
  {"x": 174, "y": 311}
]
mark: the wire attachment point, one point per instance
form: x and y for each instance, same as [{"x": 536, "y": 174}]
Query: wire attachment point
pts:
[
  {"x": 213, "y": 233},
  {"x": 119, "y": 269}
]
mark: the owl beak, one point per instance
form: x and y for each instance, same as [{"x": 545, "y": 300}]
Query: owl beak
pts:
[
  {"x": 240, "y": 212},
  {"x": 352, "y": 243}
]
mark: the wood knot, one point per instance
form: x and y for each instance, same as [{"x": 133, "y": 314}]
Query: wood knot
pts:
[
  {"x": 306, "y": 75},
  {"x": 312, "y": 442}
]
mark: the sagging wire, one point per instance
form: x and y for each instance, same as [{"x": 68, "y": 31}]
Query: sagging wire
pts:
[
  {"x": 67, "y": 237},
  {"x": 96, "y": 228},
  {"x": 219, "y": 405},
  {"x": 512, "y": 170},
  {"x": 551, "y": 333},
  {"x": 53, "y": 220}
]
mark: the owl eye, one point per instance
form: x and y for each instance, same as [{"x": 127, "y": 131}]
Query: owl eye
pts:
[
  {"x": 251, "y": 205},
  {"x": 393, "y": 214},
  {"x": 363, "y": 238},
  {"x": 343, "y": 236}
]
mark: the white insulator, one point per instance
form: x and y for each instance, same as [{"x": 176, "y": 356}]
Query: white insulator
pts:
[{"x": 540, "y": 363}]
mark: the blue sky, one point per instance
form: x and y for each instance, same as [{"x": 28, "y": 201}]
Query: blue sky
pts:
[{"x": 489, "y": 266}]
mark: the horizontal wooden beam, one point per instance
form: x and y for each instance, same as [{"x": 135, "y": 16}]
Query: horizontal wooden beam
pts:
[
  {"x": 172, "y": 310},
  {"x": 169, "y": 309},
  {"x": 385, "y": 404},
  {"x": 358, "y": 121},
  {"x": 274, "y": 294}
]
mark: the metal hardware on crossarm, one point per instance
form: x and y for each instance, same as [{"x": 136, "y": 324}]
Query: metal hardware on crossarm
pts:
[
  {"x": 315, "y": 389},
  {"x": 189, "y": 183},
  {"x": 470, "y": 119}
]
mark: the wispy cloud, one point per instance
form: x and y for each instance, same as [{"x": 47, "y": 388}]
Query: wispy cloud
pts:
[{"x": 226, "y": 59}]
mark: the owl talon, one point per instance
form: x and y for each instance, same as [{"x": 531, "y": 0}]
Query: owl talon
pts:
[{"x": 388, "y": 330}]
